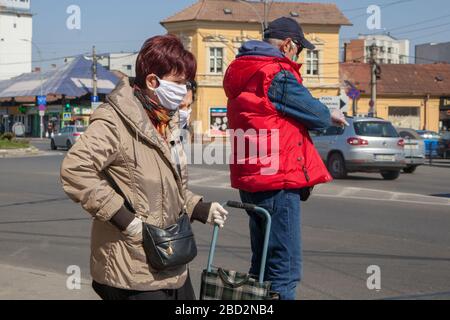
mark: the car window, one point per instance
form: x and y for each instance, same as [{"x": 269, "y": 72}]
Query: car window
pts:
[
  {"x": 81, "y": 129},
  {"x": 334, "y": 131},
  {"x": 407, "y": 135},
  {"x": 64, "y": 130},
  {"x": 375, "y": 129}
]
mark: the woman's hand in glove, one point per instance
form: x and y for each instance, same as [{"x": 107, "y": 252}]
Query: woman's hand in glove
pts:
[
  {"x": 217, "y": 215},
  {"x": 134, "y": 228}
]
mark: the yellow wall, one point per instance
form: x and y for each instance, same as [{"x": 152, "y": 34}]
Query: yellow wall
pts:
[
  {"x": 198, "y": 36},
  {"x": 383, "y": 104}
]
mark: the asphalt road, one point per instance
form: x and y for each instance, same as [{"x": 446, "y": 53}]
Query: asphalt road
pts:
[{"x": 401, "y": 226}]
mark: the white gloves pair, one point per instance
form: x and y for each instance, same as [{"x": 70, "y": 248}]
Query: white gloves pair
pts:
[
  {"x": 338, "y": 118},
  {"x": 217, "y": 215}
]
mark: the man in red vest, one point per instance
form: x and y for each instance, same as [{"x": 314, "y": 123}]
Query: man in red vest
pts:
[{"x": 270, "y": 111}]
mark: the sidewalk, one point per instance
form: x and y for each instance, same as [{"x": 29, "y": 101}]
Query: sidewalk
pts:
[{"x": 18, "y": 283}]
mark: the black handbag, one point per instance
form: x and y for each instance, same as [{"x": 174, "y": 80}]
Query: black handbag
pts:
[{"x": 171, "y": 247}]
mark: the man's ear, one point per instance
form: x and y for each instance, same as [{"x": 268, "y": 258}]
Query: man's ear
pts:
[
  {"x": 151, "y": 82},
  {"x": 286, "y": 45}
]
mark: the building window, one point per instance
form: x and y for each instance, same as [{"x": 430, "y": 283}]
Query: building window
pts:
[
  {"x": 389, "y": 61},
  {"x": 216, "y": 60},
  {"x": 312, "y": 62}
]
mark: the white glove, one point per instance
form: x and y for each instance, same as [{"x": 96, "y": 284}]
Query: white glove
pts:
[
  {"x": 217, "y": 215},
  {"x": 134, "y": 228},
  {"x": 338, "y": 118}
]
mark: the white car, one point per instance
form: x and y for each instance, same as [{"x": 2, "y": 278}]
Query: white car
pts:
[{"x": 67, "y": 137}]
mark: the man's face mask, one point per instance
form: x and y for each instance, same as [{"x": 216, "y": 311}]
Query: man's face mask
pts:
[
  {"x": 170, "y": 94},
  {"x": 185, "y": 115}
]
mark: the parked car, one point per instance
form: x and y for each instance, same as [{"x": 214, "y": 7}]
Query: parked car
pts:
[
  {"x": 431, "y": 140},
  {"x": 67, "y": 137},
  {"x": 444, "y": 149},
  {"x": 414, "y": 149},
  {"x": 366, "y": 145}
]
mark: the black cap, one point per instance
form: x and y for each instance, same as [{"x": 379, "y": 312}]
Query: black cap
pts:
[{"x": 283, "y": 28}]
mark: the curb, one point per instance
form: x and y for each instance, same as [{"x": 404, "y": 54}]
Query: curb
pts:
[{"x": 13, "y": 153}]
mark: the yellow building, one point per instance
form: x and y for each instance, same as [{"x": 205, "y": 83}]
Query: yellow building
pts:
[
  {"x": 214, "y": 30},
  {"x": 409, "y": 95}
]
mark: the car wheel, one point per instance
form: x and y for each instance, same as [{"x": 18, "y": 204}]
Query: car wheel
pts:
[
  {"x": 410, "y": 169},
  {"x": 390, "y": 175},
  {"x": 336, "y": 166},
  {"x": 53, "y": 145},
  {"x": 68, "y": 145}
]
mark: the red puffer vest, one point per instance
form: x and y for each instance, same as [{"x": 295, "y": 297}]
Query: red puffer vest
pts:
[{"x": 286, "y": 157}]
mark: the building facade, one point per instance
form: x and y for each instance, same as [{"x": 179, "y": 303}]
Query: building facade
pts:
[
  {"x": 16, "y": 29},
  {"x": 215, "y": 30},
  {"x": 432, "y": 53},
  {"x": 390, "y": 50}
]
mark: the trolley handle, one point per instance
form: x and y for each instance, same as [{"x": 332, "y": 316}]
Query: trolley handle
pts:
[
  {"x": 268, "y": 220},
  {"x": 239, "y": 205}
]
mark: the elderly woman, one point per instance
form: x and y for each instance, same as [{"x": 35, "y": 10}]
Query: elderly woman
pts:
[{"x": 129, "y": 170}]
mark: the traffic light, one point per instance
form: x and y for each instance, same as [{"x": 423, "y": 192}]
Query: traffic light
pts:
[{"x": 67, "y": 108}]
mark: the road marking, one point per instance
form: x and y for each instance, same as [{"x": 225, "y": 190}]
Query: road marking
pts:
[
  {"x": 213, "y": 180},
  {"x": 431, "y": 202}
]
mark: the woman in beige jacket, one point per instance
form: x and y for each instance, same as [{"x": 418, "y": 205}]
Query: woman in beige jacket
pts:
[{"x": 129, "y": 167}]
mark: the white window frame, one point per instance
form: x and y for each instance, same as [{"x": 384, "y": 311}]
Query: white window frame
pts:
[
  {"x": 311, "y": 60},
  {"x": 214, "y": 59}
]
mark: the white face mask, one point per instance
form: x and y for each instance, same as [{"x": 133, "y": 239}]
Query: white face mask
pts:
[
  {"x": 170, "y": 94},
  {"x": 185, "y": 115}
]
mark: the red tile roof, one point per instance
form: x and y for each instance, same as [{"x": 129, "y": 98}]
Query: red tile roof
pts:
[
  {"x": 213, "y": 10},
  {"x": 400, "y": 79}
]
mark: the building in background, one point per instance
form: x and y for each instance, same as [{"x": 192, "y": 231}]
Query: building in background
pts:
[
  {"x": 432, "y": 53},
  {"x": 215, "y": 30},
  {"x": 16, "y": 29},
  {"x": 409, "y": 95},
  {"x": 390, "y": 50}
]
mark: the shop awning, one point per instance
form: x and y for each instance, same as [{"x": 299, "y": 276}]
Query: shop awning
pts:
[{"x": 73, "y": 79}]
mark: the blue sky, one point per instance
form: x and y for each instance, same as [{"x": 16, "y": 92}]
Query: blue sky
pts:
[{"x": 116, "y": 25}]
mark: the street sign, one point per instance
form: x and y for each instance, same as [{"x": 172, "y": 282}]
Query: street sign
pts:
[
  {"x": 353, "y": 93},
  {"x": 335, "y": 102},
  {"x": 41, "y": 100},
  {"x": 67, "y": 116},
  {"x": 95, "y": 99}
]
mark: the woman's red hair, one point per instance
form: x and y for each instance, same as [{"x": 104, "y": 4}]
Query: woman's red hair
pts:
[{"x": 164, "y": 55}]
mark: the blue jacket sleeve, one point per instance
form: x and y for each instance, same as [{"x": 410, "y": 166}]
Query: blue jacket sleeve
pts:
[{"x": 293, "y": 100}]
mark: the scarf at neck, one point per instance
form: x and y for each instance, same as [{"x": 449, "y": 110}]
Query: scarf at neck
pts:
[{"x": 158, "y": 115}]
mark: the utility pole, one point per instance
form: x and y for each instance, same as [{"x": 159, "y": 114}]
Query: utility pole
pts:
[
  {"x": 373, "y": 82},
  {"x": 94, "y": 75},
  {"x": 266, "y": 11}
]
